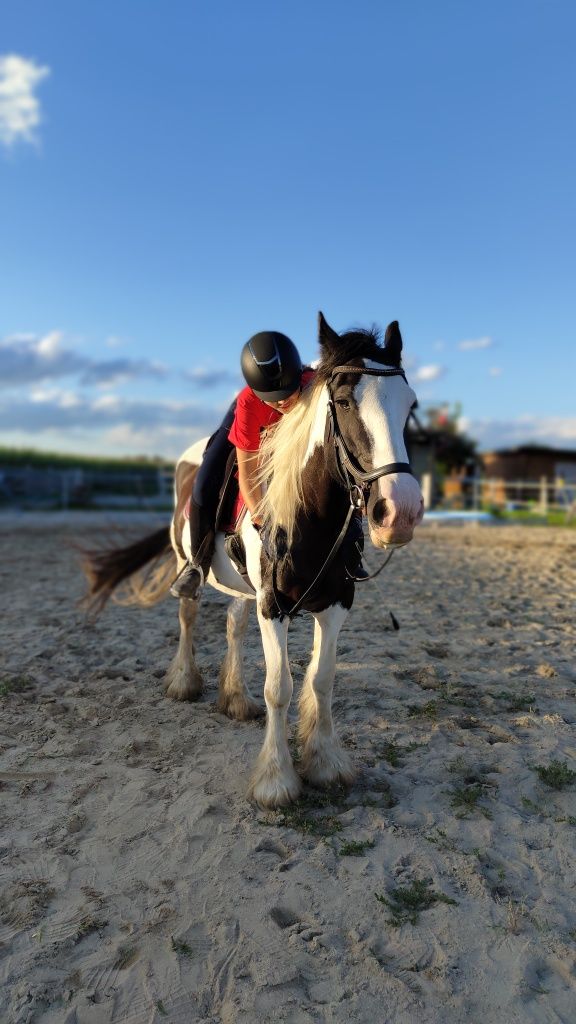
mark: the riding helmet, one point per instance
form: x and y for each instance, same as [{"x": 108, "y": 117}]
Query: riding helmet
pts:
[{"x": 271, "y": 366}]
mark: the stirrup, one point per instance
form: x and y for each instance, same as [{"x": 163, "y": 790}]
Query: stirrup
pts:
[{"x": 189, "y": 582}]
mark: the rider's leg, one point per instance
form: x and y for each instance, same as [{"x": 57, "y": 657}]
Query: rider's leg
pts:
[
  {"x": 202, "y": 536},
  {"x": 203, "y": 507}
]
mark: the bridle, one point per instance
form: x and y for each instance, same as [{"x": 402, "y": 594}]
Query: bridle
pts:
[
  {"x": 353, "y": 478},
  {"x": 350, "y": 474}
]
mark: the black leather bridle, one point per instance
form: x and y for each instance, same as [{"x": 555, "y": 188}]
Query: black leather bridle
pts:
[
  {"x": 355, "y": 480},
  {"x": 352, "y": 476}
]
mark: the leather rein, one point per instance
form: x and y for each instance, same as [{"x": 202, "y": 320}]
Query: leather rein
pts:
[{"x": 352, "y": 477}]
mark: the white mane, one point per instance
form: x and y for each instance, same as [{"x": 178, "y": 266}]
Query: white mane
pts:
[{"x": 283, "y": 455}]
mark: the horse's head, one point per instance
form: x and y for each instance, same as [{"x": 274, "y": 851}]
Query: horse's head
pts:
[{"x": 371, "y": 401}]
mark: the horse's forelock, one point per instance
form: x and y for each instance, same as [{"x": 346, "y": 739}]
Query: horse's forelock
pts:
[{"x": 355, "y": 345}]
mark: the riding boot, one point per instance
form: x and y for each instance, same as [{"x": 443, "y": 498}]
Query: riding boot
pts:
[
  {"x": 190, "y": 580},
  {"x": 353, "y": 548}
]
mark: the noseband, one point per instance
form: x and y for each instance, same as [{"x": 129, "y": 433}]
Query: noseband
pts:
[{"x": 352, "y": 476}]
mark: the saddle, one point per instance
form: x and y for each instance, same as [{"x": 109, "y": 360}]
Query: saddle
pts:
[{"x": 229, "y": 515}]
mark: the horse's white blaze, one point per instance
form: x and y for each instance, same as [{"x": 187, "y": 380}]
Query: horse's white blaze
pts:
[
  {"x": 384, "y": 404},
  {"x": 323, "y": 759}
]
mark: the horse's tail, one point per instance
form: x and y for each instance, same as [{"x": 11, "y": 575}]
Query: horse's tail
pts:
[{"x": 107, "y": 569}]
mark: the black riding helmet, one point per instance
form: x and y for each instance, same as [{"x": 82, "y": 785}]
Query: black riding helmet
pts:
[{"x": 271, "y": 366}]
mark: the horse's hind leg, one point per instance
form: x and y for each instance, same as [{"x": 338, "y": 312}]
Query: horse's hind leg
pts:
[
  {"x": 274, "y": 782},
  {"x": 234, "y": 697},
  {"x": 183, "y": 680},
  {"x": 324, "y": 761}
]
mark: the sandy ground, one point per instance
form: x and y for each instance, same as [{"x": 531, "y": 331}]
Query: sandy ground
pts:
[{"x": 137, "y": 885}]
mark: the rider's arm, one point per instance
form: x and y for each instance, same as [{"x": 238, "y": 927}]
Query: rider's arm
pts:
[{"x": 250, "y": 489}]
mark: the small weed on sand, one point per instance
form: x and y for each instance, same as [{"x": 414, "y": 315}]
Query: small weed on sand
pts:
[
  {"x": 181, "y": 947},
  {"x": 429, "y": 710},
  {"x": 356, "y": 848},
  {"x": 465, "y": 799},
  {"x": 407, "y": 904},
  {"x": 556, "y": 775},
  {"x": 15, "y": 684},
  {"x": 300, "y": 815}
]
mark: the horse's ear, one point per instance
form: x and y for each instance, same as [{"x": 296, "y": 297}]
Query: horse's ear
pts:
[
  {"x": 327, "y": 338},
  {"x": 393, "y": 344}
]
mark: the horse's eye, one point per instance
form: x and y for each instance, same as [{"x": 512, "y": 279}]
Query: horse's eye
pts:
[{"x": 343, "y": 403}]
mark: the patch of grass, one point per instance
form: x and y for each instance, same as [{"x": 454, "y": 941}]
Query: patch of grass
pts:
[
  {"x": 465, "y": 799},
  {"x": 556, "y": 775},
  {"x": 390, "y": 753},
  {"x": 521, "y": 704},
  {"x": 14, "y": 684},
  {"x": 529, "y": 805},
  {"x": 125, "y": 956},
  {"x": 429, "y": 710},
  {"x": 300, "y": 815},
  {"x": 356, "y": 848},
  {"x": 443, "y": 841},
  {"x": 408, "y": 903},
  {"x": 161, "y": 1008},
  {"x": 181, "y": 947},
  {"x": 516, "y": 701},
  {"x": 89, "y": 923}
]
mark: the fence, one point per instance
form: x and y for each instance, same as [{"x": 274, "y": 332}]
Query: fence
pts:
[
  {"x": 538, "y": 496},
  {"x": 36, "y": 487}
]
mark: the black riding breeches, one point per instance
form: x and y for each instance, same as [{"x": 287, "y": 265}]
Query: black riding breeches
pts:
[{"x": 206, "y": 491}]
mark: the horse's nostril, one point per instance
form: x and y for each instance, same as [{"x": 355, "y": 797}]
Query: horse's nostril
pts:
[{"x": 379, "y": 511}]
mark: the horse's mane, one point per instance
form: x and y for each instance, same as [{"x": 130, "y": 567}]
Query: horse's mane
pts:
[{"x": 282, "y": 452}]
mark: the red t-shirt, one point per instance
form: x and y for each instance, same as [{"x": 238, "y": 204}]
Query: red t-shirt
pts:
[{"x": 252, "y": 416}]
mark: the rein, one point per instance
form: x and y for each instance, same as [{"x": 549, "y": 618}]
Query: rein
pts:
[{"x": 354, "y": 480}]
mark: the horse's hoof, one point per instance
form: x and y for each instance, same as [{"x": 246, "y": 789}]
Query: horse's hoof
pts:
[
  {"x": 183, "y": 685},
  {"x": 275, "y": 791},
  {"x": 330, "y": 766},
  {"x": 241, "y": 708}
]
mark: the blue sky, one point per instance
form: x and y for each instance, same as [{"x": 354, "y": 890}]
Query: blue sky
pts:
[{"x": 176, "y": 176}]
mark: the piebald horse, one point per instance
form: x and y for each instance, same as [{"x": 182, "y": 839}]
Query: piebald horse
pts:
[{"x": 339, "y": 450}]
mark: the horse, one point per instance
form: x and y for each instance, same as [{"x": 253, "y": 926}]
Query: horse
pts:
[{"x": 340, "y": 452}]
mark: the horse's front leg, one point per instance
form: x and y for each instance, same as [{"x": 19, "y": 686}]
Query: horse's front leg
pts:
[
  {"x": 183, "y": 680},
  {"x": 234, "y": 697},
  {"x": 324, "y": 761},
  {"x": 275, "y": 782}
]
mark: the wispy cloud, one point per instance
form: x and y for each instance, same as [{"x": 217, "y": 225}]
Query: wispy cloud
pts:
[
  {"x": 206, "y": 378},
  {"x": 54, "y": 409},
  {"x": 471, "y": 344},
  {"x": 555, "y": 431},
  {"x": 428, "y": 373},
  {"x": 495, "y": 371},
  {"x": 20, "y": 113},
  {"x": 25, "y": 359}
]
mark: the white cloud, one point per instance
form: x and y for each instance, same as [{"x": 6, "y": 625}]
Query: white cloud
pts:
[
  {"x": 495, "y": 371},
  {"x": 19, "y": 107},
  {"x": 206, "y": 378},
  {"x": 475, "y": 343},
  {"x": 428, "y": 373},
  {"x": 25, "y": 359},
  {"x": 555, "y": 431}
]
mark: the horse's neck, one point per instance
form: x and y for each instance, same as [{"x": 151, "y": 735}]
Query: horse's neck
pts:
[{"x": 326, "y": 502}]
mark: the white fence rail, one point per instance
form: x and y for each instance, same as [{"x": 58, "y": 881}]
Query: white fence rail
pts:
[{"x": 540, "y": 496}]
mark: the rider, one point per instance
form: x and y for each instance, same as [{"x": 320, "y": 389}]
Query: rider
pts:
[{"x": 275, "y": 378}]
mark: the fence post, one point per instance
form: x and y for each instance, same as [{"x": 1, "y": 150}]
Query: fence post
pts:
[
  {"x": 543, "y": 495},
  {"x": 427, "y": 489}
]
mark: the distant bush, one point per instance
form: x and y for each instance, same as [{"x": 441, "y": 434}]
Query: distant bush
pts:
[{"x": 60, "y": 460}]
